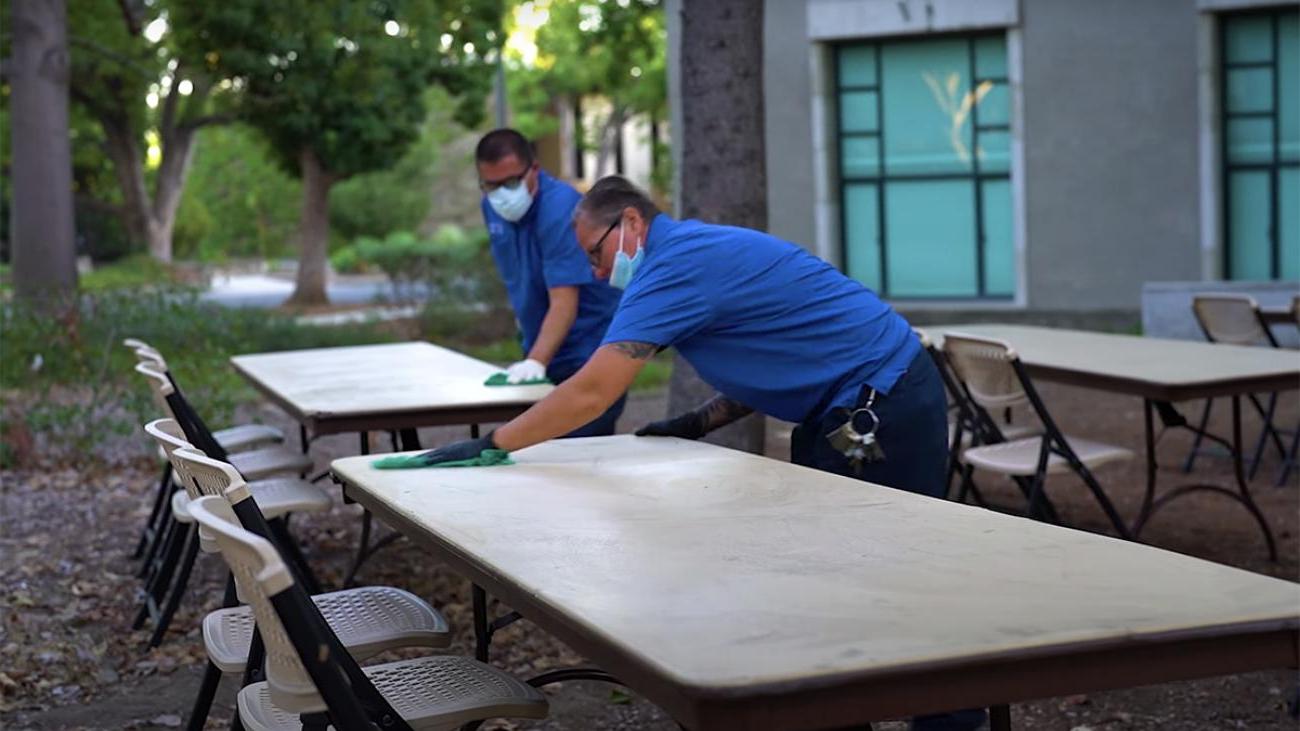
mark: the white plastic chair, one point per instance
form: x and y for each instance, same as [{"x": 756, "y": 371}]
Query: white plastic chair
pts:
[
  {"x": 993, "y": 377},
  {"x": 311, "y": 680}
]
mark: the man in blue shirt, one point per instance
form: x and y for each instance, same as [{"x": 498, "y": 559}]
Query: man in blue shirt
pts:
[
  {"x": 773, "y": 329},
  {"x": 561, "y": 308}
]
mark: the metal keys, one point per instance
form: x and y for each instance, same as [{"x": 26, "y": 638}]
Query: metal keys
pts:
[{"x": 858, "y": 447}]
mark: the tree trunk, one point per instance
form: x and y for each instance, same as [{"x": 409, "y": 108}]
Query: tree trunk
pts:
[
  {"x": 724, "y": 178},
  {"x": 42, "y": 225},
  {"x": 313, "y": 232},
  {"x": 178, "y": 152},
  {"x": 123, "y": 148}
]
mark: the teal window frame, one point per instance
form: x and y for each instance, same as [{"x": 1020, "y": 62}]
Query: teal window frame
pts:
[
  {"x": 1271, "y": 167},
  {"x": 882, "y": 178}
]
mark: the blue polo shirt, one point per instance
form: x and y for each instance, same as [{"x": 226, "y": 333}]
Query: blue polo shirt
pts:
[
  {"x": 539, "y": 252},
  {"x": 763, "y": 321}
]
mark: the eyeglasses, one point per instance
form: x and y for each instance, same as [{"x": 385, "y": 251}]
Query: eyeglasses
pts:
[
  {"x": 512, "y": 182},
  {"x": 593, "y": 254}
]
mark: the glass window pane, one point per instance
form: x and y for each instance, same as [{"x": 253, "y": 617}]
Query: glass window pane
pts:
[
  {"x": 994, "y": 104},
  {"x": 995, "y": 152},
  {"x": 930, "y": 238},
  {"x": 858, "y": 157},
  {"x": 999, "y": 257},
  {"x": 1288, "y": 78},
  {"x": 1247, "y": 39},
  {"x": 862, "y": 234},
  {"x": 1250, "y": 140},
  {"x": 1288, "y": 222},
  {"x": 1250, "y": 90},
  {"x": 927, "y": 97},
  {"x": 858, "y": 111},
  {"x": 858, "y": 65},
  {"x": 1248, "y": 245},
  {"x": 991, "y": 57}
]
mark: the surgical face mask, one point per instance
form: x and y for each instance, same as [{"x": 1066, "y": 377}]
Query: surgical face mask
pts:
[
  {"x": 625, "y": 266},
  {"x": 511, "y": 203}
]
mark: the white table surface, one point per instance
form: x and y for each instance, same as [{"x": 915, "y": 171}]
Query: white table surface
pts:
[
  {"x": 370, "y": 378},
  {"x": 704, "y": 570}
]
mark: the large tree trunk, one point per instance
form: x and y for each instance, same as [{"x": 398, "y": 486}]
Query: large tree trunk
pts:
[
  {"x": 42, "y": 226},
  {"x": 313, "y": 232},
  {"x": 723, "y": 176},
  {"x": 177, "y": 153},
  {"x": 123, "y": 148}
]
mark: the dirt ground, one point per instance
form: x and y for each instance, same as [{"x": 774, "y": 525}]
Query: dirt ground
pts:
[{"x": 70, "y": 660}]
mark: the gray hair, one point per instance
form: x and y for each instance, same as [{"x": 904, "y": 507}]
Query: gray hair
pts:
[{"x": 607, "y": 199}]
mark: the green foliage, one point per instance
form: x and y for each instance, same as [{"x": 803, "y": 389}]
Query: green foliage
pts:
[
  {"x": 136, "y": 272},
  {"x": 251, "y": 205},
  {"x": 453, "y": 267},
  {"x": 341, "y": 78},
  {"x": 69, "y": 381}
]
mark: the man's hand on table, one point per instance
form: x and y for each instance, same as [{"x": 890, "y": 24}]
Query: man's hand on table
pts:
[{"x": 469, "y": 452}]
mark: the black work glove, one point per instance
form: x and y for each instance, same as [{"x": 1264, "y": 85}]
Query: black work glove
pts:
[
  {"x": 687, "y": 426},
  {"x": 454, "y": 452}
]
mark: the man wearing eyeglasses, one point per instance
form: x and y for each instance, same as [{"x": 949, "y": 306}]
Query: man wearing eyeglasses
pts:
[{"x": 561, "y": 308}]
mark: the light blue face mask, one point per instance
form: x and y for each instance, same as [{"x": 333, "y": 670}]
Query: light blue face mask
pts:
[
  {"x": 625, "y": 266},
  {"x": 511, "y": 203}
]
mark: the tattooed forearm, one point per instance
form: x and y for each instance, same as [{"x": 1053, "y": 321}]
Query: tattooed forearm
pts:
[
  {"x": 720, "y": 411},
  {"x": 636, "y": 350}
]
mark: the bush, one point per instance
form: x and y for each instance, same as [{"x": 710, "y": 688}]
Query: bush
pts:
[
  {"x": 138, "y": 271},
  {"x": 68, "y": 383}
]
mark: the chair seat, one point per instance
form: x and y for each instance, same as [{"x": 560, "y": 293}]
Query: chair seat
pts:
[
  {"x": 279, "y": 496},
  {"x": 1020, "y": 457},
  {"x": 368, "y": 620},
  {"x": 442, "y": 692},
  {"x": 247, "y": 436},
  {"x": 268, "y": 461}
]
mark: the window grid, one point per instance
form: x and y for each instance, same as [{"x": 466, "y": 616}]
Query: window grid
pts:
[
  {"x": 1276, "y": 17},
  {"x": 882, "y": 178}
]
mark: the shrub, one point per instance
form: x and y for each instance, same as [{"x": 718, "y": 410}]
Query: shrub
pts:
[{"x": 68, "y": 382}]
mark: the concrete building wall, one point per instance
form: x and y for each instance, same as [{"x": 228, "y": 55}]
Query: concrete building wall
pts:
[
  {"x": 1111, "y": 149},
  {"x": 788, "y": 107}
]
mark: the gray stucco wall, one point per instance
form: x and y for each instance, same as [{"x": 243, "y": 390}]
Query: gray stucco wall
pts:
[
  {"x": 1110, "y": 149},
  {"x": 787, "y": 102}
]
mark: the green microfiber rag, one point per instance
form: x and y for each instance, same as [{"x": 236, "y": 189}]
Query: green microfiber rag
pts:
[
  {"x": 486, "y": 458},
  {"x": 499, "y": 379}
]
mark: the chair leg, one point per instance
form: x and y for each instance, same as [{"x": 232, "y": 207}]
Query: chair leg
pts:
[
  {"x": 1289, "y": 461},
  {"x": 1102, "y": 499},
  {"x": 152, "y": 525},
  {"x": 178, "y": 588},
  {"x": 1196, "y": 442},
  {"x": 1036, "y": 486},
  {"x": 155, "y": 543},
  {"x": 203, "y": 702},
  {"x": 1268, "y": 430},
  {"x": 161, "y": 574}
]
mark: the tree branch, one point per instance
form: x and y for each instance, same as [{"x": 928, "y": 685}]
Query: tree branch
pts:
[
  {"x": 209, "y": 121},
  {"x": 110, "y": 54},
  {"x": 131, "y": 10},
  {"x": 168, "y": 120}
]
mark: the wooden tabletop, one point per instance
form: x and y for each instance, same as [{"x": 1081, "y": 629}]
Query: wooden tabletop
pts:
[
  {"x": 388, "y": 386},
  {"x": 737, "y": 591},
  {"x": 1156, "y": 368}
]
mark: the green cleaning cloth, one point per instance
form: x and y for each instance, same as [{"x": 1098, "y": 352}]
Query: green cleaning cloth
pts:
[
  {"x": 486, "y": 458},
  {"x": 499, "y": 379}
]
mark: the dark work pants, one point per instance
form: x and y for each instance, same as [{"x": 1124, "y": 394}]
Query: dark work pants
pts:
[
  {"x": 914, "y": 436},
  {"x": 601, "y": 426}
]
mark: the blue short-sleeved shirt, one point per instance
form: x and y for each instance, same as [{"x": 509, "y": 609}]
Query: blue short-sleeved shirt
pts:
[
  {"x": 763, "y": 321},
  {"x": 539, "y": 252}
]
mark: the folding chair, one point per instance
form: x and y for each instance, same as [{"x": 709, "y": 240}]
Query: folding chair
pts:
[
  {"x": 167, "y": 573},
  {"x": 1293, "y": 454},
  {"x": 970, "y": 425},
  {"x": 233, "y": 439},
  {"x": 368, "y": 620},
  {"x": 312, "y": 681},
  {"x": 1235, "y": 319},
  {"x": 993, "y": 377}
]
